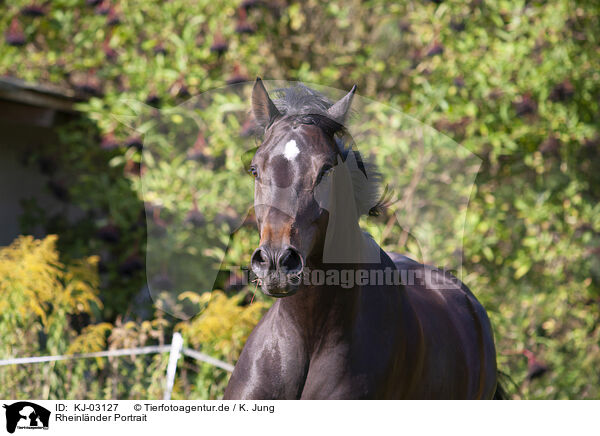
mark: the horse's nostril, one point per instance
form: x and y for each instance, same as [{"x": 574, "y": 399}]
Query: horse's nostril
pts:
[
  {"x": 258, "y": 257},
  {"x": 260, "y": 262},
  {"x": 290, "y": 261}
]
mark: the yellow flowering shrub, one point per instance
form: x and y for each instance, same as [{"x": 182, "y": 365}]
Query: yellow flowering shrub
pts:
[
  {"x": 37, "y": 291},
  {"x": 39, "y": 295},
  {"x": 223, "y": 326},
  {"x": 220, "y": 330}
]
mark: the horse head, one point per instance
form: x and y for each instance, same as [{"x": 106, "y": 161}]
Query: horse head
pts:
[{"x": 303, "y": 172}]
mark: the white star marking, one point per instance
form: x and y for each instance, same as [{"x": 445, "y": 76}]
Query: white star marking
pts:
[{"x": 291, "y": 150}]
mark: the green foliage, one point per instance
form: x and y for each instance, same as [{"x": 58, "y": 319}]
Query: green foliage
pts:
[
  {"x": 516, "y": 83},
  {"x": 102, "y": 215},
  {"x": 199, "y": 194}
]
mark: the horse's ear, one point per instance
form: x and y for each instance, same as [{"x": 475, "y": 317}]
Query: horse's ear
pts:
[
  {"x": 339, "y": 111},
  {"x": 263, "y": 108}
]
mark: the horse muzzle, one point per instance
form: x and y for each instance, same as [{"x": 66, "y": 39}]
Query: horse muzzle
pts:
[{"x": 279, "y": 271}]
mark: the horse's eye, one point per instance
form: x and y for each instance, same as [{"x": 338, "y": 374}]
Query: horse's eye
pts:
[
  {"x": 252, "y": 170},
  {"x": 324, "y": 171}
]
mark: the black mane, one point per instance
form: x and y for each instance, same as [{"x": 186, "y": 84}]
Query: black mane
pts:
[
  {"x": 301, "y": 100},
  {"x": 308, "y": 107}
]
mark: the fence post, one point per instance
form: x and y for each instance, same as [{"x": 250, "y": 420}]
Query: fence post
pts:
[{"x": 176, "y": 346}]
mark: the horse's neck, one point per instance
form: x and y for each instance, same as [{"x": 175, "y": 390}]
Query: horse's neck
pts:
[{"x": 319, "y": 311}]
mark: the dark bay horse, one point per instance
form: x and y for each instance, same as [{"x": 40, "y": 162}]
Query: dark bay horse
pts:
[{"x": 351, "y": 321}]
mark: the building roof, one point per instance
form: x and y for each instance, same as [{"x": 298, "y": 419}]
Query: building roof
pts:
[{"x": 33, "y": 103}]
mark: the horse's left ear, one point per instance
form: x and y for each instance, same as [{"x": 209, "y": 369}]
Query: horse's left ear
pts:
[{"x": 339, "y": 111}]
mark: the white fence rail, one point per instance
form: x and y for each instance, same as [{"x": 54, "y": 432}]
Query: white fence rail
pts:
[{"x": 175, "y": 349}]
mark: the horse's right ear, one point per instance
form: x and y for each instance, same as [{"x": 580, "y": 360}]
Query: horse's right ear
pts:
[
  {"x": 339, "y": 111},
  {"x": 263, "y": 108}
]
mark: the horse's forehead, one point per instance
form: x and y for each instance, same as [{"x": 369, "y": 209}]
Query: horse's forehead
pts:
[
  {"x": 298, "y": 140},
  {"x": 294, "y": 151}
]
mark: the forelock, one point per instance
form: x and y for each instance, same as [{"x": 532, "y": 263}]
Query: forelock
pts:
[{"x": 301, "y": 100}]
